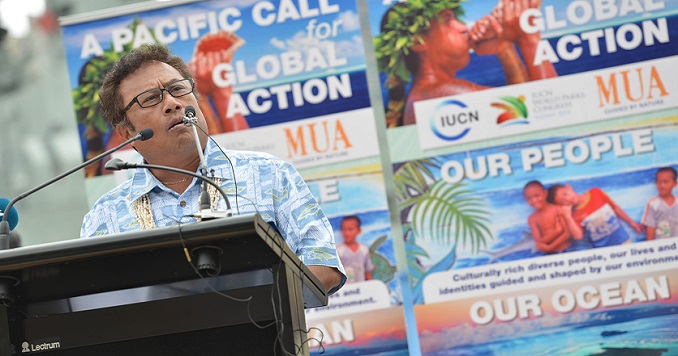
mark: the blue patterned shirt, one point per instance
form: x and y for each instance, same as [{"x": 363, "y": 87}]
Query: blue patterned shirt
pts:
[{"x": 280, "y": 194}]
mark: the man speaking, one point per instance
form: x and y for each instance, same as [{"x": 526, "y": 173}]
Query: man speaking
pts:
[{"x": 151, "y": 88}]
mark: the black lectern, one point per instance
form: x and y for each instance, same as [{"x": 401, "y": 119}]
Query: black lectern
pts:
[{"x": 137, "y": 294}]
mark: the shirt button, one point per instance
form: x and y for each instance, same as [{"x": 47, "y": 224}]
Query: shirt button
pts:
[{"x": 183, "y": 203}]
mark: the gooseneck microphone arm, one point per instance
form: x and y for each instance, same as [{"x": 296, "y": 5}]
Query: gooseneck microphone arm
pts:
[
  {"x": 190, "y": 119},
  {"x": 117, "y": 164},
  {"x": 143, "y": 135}
]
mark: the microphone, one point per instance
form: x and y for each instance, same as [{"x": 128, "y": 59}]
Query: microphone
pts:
[
  {"x": 143, "y": 135},
  {"x": 12, "y": 214},
  {"x": 189, "y": 117},
  {"x": 116, "y": 164}
]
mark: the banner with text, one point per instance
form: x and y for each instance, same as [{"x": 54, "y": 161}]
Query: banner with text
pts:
[
  {"x": 304, "y": 143},
  {"x": 620, "y": 299},
  {"x": 474, "y": 208},
  {"x": 378, "y": 332},
  {"x": 256, "y": 63},
  {"x": 354, "y": 199},
  {"x": 571, "y": 100},
  {"x": 435, "y": 49}
]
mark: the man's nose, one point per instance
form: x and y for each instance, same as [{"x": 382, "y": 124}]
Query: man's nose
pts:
[{"x": 171, "y": 103}]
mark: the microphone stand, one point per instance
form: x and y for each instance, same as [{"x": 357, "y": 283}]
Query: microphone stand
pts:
[
  {"x": 143, "y": 135},
  {"x": 191, "y": 120},
  {"x": 117, "y": 164}
]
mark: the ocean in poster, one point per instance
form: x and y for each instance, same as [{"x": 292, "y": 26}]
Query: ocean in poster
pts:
[
  {"x": 388, "y": 347},
  {"x": 628, "y": 180},
  {"x": 640, "y": 331},
  {"x": 374, "y": 225},
  {"x": 614, "y": 185}
]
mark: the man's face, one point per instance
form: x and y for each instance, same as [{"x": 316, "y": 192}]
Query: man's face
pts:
[
  {"x": 171, "y": 139},
  {"x": 665, "y": 183},
  {"x": 349, "y": 230},
  {"x": 565, "y": 196},
  {"x": 535, "y": 196},
  {"x": 447, "y": 41}
]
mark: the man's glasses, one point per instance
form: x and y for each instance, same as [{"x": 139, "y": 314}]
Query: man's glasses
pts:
[{"x": 153, "y": 97}]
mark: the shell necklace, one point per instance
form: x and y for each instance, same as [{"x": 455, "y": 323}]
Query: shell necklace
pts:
[{"x": 144, "y": 214}]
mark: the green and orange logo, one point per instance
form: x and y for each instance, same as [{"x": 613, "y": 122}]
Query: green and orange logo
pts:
[{"x": 514, "y": 110}]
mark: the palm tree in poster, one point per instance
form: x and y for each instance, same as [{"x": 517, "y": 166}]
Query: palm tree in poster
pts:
[
  {"x": 86, "y": 100},
  {"x": 433, "y": 209}
]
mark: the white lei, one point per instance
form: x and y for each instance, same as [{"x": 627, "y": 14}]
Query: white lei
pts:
[{"x": 144, "y": 214}]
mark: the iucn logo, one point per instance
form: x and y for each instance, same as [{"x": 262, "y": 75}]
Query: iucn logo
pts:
[{"x": 451, "y": 120}]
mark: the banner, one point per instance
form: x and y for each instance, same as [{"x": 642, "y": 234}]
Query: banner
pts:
[
  {"x": 378, "y": 332},
  {"x": 286, "y": 78},
  {"x": 524, "y": 108},
  {"x": 256, "y": 63},
  {"x": 615, "y": 300},
  {"x": 529, "y": 147},
  {"x": 434, "y": 49},
  {"x": 489, "y": 232},
  {"x": 354, "y": 199}
]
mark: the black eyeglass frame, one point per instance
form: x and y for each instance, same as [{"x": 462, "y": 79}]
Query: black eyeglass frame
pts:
[{"x": 162, "y": 96}]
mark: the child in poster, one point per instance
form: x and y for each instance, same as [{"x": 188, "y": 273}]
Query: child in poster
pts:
[
  {"x": 353, "y": 255},
  {"x": 550, "y": 225},
  {"x": 661, "y": 212},
  {"x": 598, "y": 215}
]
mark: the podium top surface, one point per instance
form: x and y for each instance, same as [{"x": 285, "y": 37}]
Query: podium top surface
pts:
[{"x": 72, "y": 268}]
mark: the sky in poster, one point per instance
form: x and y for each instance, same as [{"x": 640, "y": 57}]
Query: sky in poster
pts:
[{"x": 259, "y": 40}]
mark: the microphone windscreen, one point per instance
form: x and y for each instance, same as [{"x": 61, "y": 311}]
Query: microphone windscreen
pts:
[
  {"x": 189, "y": 111},
  {"x": 12, "y": 215},
  {"x": 146, "y": 134},
  {"x": 113, "y": 164}
]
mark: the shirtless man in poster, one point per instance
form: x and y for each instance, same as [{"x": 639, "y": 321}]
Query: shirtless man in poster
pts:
[
  {"x": 441, "y": 50},
  {"x": 449, "y": 52}
]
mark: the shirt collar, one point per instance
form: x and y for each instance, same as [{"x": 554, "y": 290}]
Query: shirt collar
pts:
[{"x": 142, "y": 183}]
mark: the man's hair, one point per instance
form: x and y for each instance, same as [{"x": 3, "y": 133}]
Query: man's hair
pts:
[
  {"x": 553, "y": 190},
  {"x": 533, "y": 182},
  {"x": 400, "y": 29},
  {"x": 667, "y": 169},
  {"x": 352, "y": 217},
  {"x": 109, "y": 93}
]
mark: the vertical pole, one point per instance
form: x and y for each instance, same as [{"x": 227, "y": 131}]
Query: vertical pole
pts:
[{"x": 5, "y": 344}]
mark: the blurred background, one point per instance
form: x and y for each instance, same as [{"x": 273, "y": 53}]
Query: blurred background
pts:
[{"x": 38, "y": 134}]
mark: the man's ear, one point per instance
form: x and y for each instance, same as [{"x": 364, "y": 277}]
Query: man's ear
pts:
[{"x": 124, "y": 131}]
